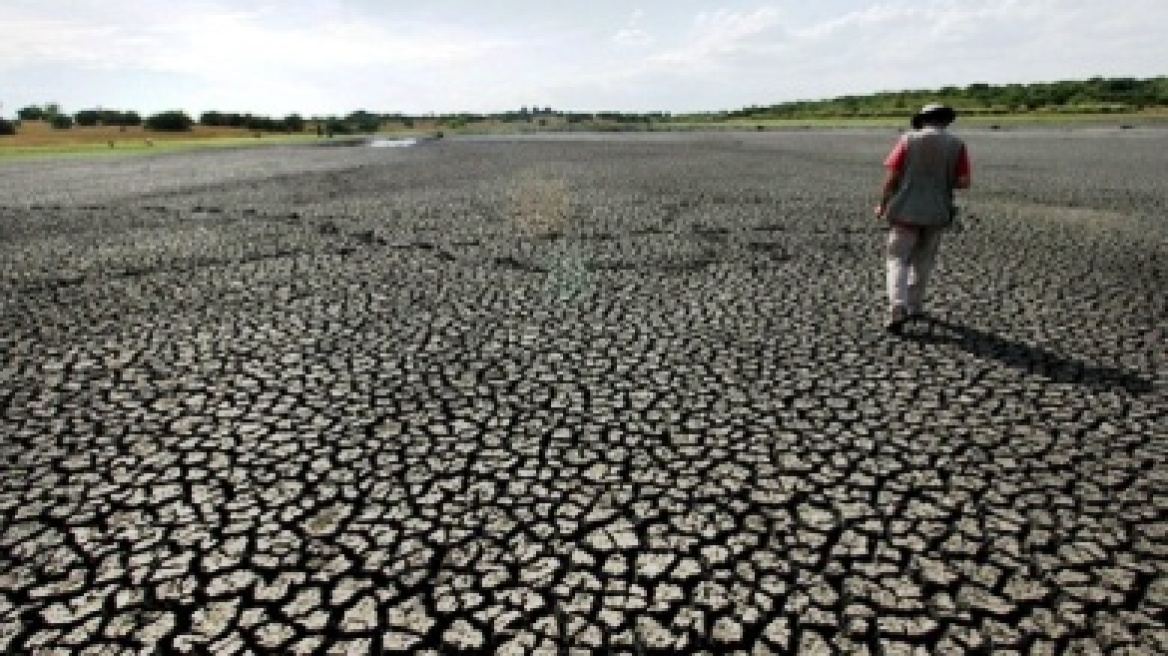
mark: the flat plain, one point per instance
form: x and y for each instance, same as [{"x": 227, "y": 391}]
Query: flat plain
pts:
[{"x": 586, "y": 394}]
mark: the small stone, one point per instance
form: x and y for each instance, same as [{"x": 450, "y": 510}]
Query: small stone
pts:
[
  {"x": 463, "y": 635},
  {"x": 727, "y": 631},
  {"x": 361, "y": 617}
]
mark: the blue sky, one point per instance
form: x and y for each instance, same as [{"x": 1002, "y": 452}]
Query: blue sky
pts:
[{"x": 319, "y": 57}]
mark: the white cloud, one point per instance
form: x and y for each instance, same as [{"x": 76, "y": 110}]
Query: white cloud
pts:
[
  {"x": 258, "y": 59},
  {"x": 32, "y": 41},
  {"x": 202, "y": 39},
  {"x": 632, "y": 34},
  {"x": 454, "y": 55},
  {"x": 767, "y": 55},
  {"x": 721, "y": 34},
  {"x": 632, "y": 37}
]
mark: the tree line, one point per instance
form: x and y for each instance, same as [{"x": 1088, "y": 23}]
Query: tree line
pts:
[
  {"x": 181, "y": 121},
  {"x": 1094, "y": 95},
  {"x": 172, "y": 121}
]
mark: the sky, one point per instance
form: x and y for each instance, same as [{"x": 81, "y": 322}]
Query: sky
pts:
[{"x": 332, "y": 57}]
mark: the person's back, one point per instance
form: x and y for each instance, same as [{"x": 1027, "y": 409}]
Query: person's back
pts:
[{"x": 928, "y": 178}]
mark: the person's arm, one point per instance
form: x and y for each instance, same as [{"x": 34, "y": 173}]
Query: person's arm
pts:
[
  {"x": 963, "y": 170},
  {"x": 894, "y": 167},
  {"x": 891, "y": 184}
]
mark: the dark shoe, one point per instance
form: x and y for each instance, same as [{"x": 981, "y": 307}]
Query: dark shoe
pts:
[{"x": 897, "y": 317}]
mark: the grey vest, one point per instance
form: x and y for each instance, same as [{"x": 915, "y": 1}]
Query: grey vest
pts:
[{"x": 925, "y": 194}]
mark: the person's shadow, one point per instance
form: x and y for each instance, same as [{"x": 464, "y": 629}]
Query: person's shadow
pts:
[{"x": 1032, "y": 359}]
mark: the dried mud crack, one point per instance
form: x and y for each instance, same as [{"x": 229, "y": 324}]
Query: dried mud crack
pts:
[{"x": 570, "y": 396}]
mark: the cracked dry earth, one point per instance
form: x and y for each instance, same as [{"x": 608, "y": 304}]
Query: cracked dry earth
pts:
[{"x": 581, "y": 395}]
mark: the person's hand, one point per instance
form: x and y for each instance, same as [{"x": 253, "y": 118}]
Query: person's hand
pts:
[{"x": 880, "y": 211}]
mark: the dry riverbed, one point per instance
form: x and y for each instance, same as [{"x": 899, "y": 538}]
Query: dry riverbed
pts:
[{"x": 581, "y": 395}]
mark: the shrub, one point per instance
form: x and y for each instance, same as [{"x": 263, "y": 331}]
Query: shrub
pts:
[
  {"x": 363, "y": 121},
  {"x": 294, "y": 123},
  {"x": 261, "y": 123},
  {"x": 31, "y": 113},
  {"x": 87, "y": 117},
  {"x": 334, "y": 126},
  {"x": 62, "y": 122},
  {"x": 7, "y": 128},
  {"x": 125, "y": 118},
  {"x": 212, "y": 119},
  {"x": 91, "y": 117},
  {"x": 174, "y": 121}
]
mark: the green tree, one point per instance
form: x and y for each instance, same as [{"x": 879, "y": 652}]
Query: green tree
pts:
[
  {"x": 363, "y": 121},
  {"x": 212, "y": 119},
  {"x": 30, "y": 113},
  {"x": 51, "y": 111},
  {"x": 294, "y": 123},
  {"x": 336, "y": 126},
  {"x": 172, "y": 121},
  {"x": 1159, "y": 91},
  {"x": 87, "y": 117},
  {"x": 7, "y": 128}
]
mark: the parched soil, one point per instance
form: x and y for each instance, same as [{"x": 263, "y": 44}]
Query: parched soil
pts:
[{"x": 581, "y": 395}]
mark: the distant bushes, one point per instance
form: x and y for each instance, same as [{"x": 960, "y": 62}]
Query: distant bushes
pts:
[
  {"x": 290, "y": 123},
  {"x": 94, "y": 117},
  {"x": 359, "y": 122},
  {"x": 336, "y": 126},
  {"x": 38, "y": 112},
  {"x": 174, "y": 121},
  {"x": 265, "y": 124},
  {"x": 363, "y": 121},
  {"x": 294, "y": 123},
  {"x": 7, "y": 128},
  {"x": 1096, "y": 96}
]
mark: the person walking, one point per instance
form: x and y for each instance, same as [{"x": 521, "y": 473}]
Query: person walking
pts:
[{"x": 922, "y": 171}]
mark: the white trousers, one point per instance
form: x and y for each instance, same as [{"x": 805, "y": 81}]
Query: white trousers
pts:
[{"x": 912, "y": 253}]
